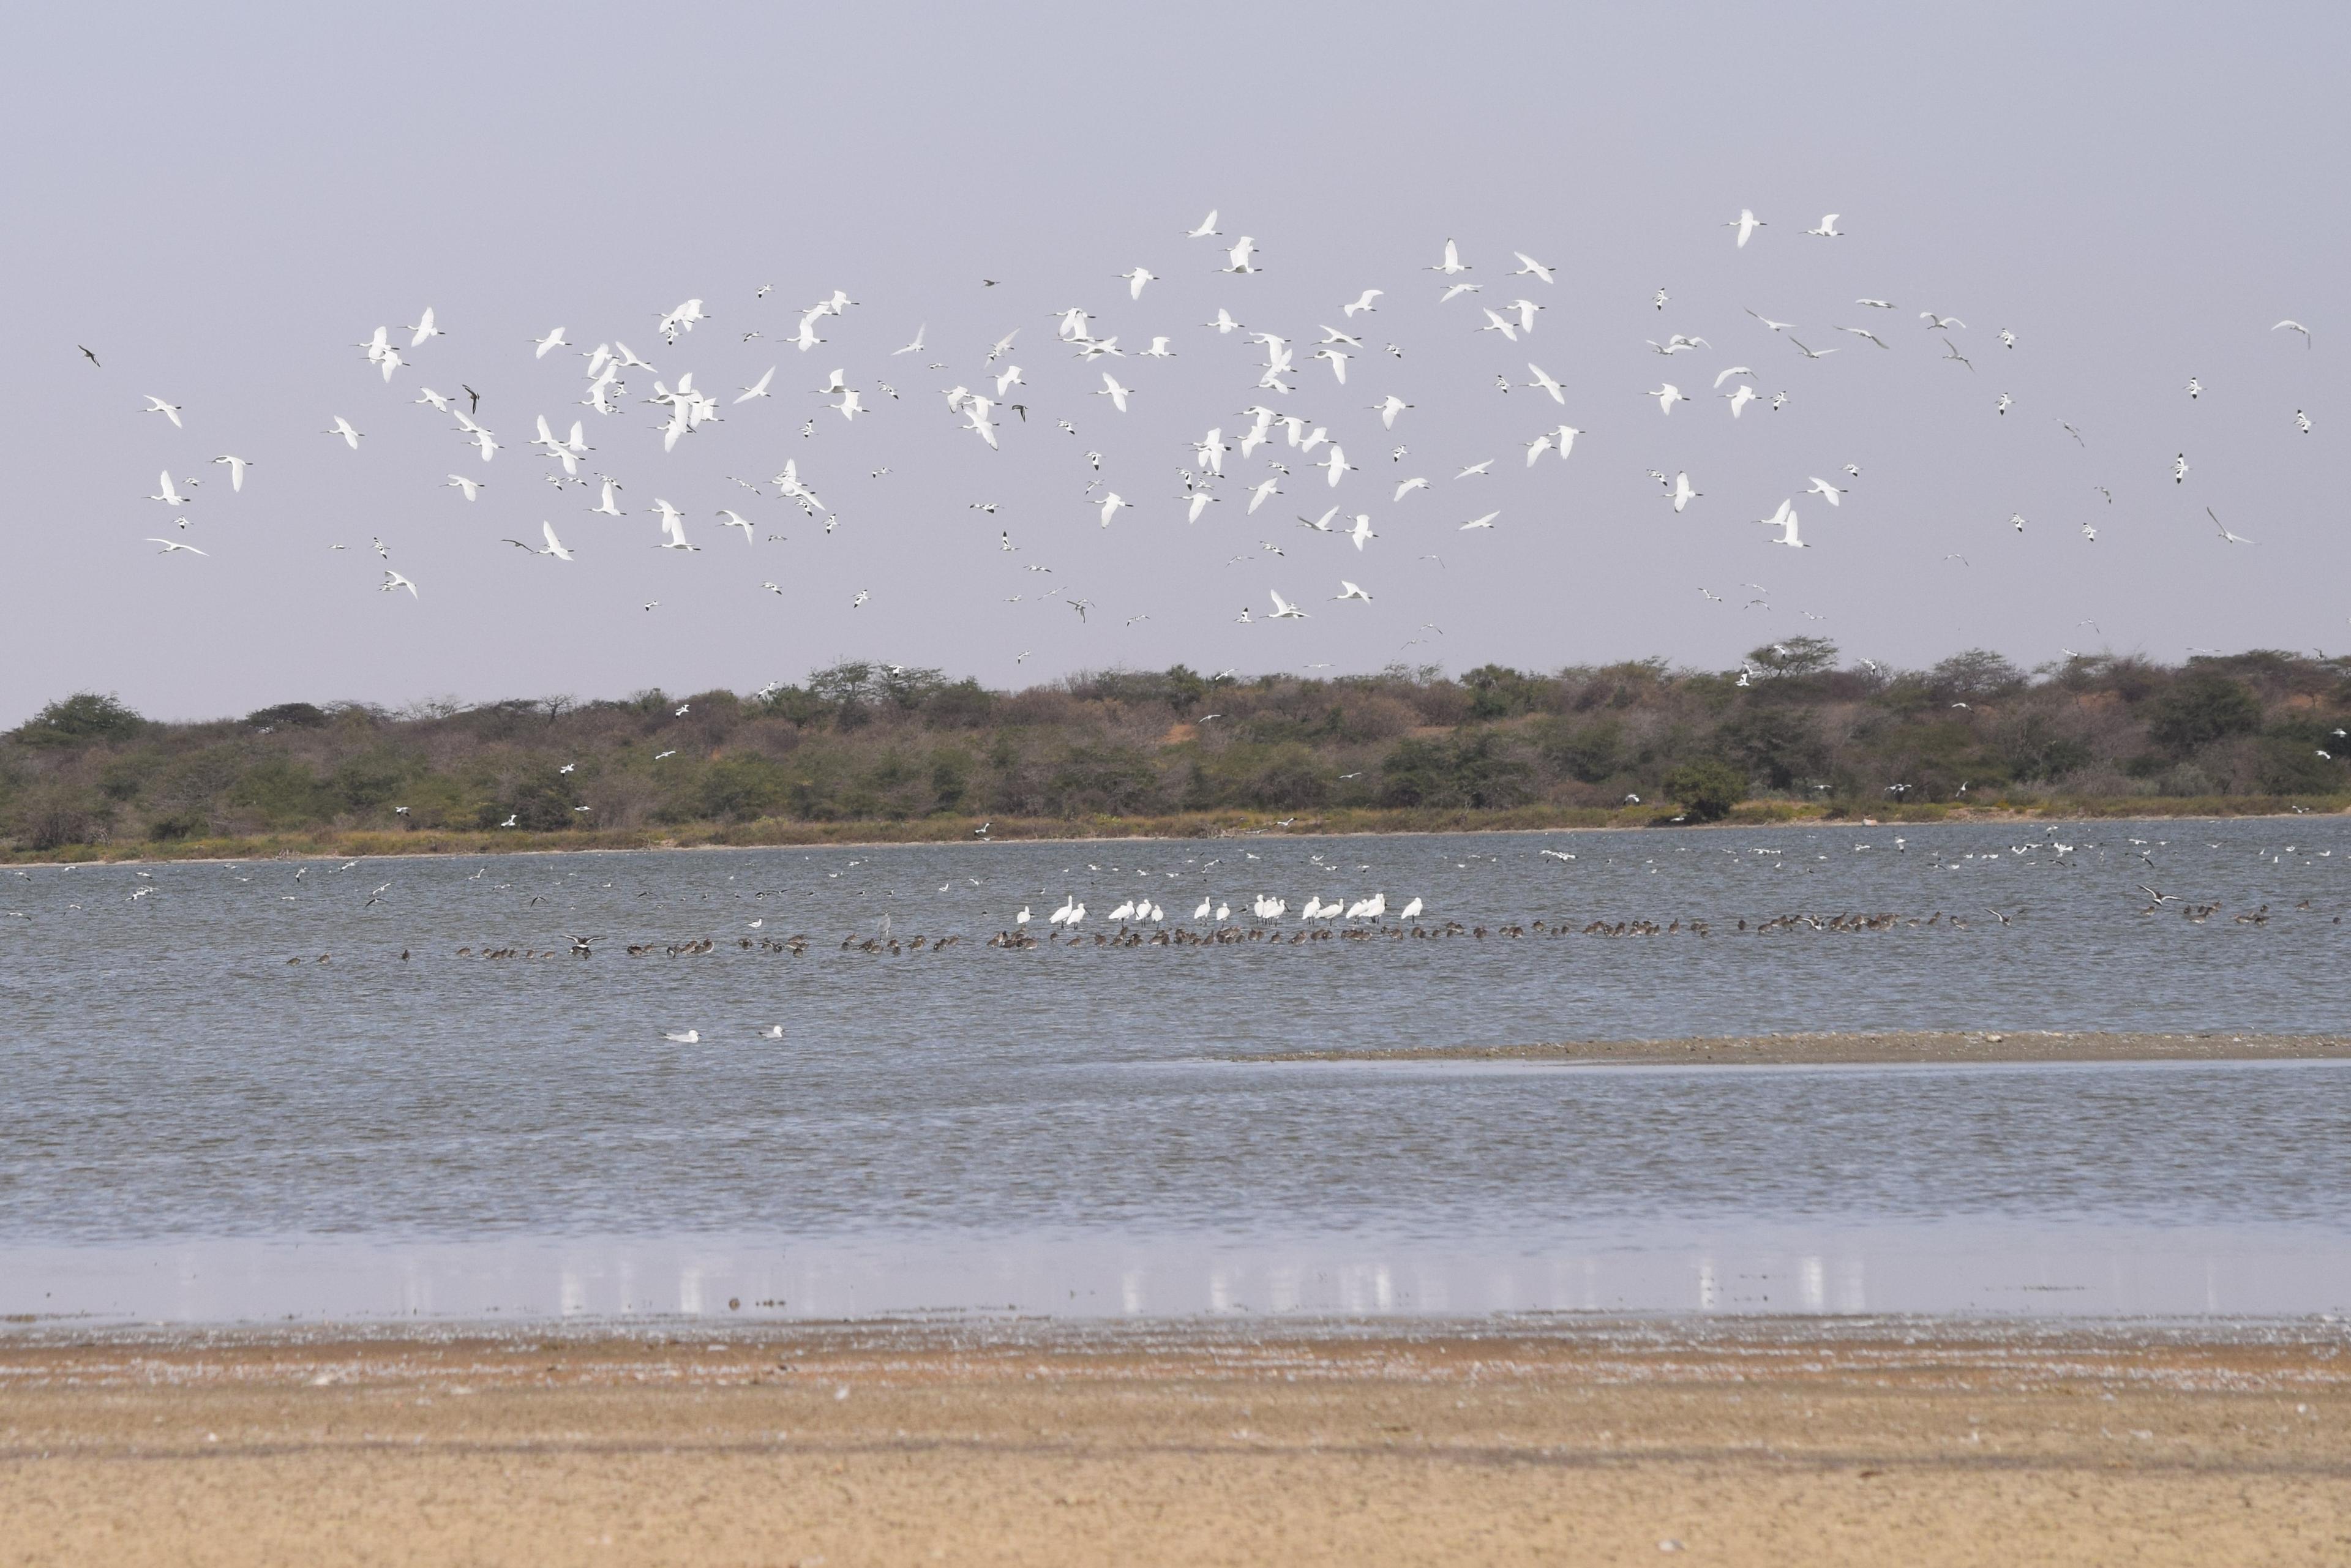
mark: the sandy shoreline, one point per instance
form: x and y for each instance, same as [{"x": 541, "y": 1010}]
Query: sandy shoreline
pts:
[
  {"x": 1863, "y": 1050},
  {"x": 442, "y": 844},
  {"x": 1519, "y": 1440}
]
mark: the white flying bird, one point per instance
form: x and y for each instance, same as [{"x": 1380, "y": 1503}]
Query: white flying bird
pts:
[
  {"x": 1364, "y": 302},
  {"x": 1362, "y": 531},
  {"x": 1666, "y": 396},
  {"x": 1237, "y": 259},
  {"x": 1207, "y": 229},
  {"x": 1828, "y": 229},
  {"x": 552, "y": 340},
  {"x": 1349, "y": 591},
  {"x": 1683, "y": 494},
  {"x": 555, "y": 546},
  {"x": 1285, "y": 611},
  {"x": 1136, "y": 279},
  {"x": 1529, "y": 267},
  {"x": 1484, "y": 522},
  {"x": 170, "y": 411},
  {"x": 393, "y": 580},
  {"x": 758, "y": 388},
  {"x": 170, "y": 495},
  {"x": 1825, "y": 490},
  {"x": 342, "y": 427},
  {"x": 2226, "y": 536},
  {"x": 1112, "y": 390},
  {"x": 1785, "y": 519},
  {"x": 472, "y": 487},
  {"x": 171, "y": 545},
  {"x": 1746, "y": 223},
  {"x": 1542, "y": 380},
  {"x": 236, "y": 467},
  {"x": 1452, "y": 264},
  {"x": 2295, "y": 326}
]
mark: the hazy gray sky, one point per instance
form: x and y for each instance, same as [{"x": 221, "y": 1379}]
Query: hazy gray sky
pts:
[{"x": 223, "y": 202}]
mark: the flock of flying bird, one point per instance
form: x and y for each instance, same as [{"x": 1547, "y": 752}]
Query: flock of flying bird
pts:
[{"x": 1296, "y": 449}]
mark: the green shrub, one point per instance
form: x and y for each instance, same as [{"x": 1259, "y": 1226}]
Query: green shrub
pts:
[{"x": 1705, "y": 791}]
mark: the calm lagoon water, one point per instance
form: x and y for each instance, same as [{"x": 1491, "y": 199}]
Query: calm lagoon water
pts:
[{"x": 192, "y": 1128}]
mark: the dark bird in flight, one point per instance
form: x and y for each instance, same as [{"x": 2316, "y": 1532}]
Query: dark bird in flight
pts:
[
  {"x": 474, "y": 397},
  {"x": 90, "y": 357}
]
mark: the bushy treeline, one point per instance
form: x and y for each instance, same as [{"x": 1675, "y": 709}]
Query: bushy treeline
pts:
[{"x": 868, "y": 741}]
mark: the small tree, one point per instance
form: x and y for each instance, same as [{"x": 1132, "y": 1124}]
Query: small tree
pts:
[
  {"x": 83, "y": 717},
  {"x": 1797, "y": 656},
  {"x": 1706, "y": 790},
  {"x": 2202, "y": 706}
]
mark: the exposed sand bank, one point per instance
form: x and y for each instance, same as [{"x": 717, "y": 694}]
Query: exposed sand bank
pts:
[
  {"x": 1825, "y": 1050},
  {"x": 1507, "y": 1442}
]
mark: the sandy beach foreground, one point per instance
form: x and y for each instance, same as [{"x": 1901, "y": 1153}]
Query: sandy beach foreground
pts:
[
  {"x": 1507, "y": 1442},
  {"x": 1868, "y": 1049}
]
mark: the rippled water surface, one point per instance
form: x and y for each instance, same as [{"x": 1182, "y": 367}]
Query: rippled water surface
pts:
[{"x": 195, "y": 1127}]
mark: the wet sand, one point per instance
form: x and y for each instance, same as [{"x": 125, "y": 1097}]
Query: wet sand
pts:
[
  {"x": 1532, "y": 1441},
  {"x": 1857, "y": 1049}
]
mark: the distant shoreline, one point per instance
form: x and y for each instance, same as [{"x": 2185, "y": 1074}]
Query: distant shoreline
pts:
[
  {"x": 878, "y": 833},
  {"x": 1859, "y": 1049}
]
